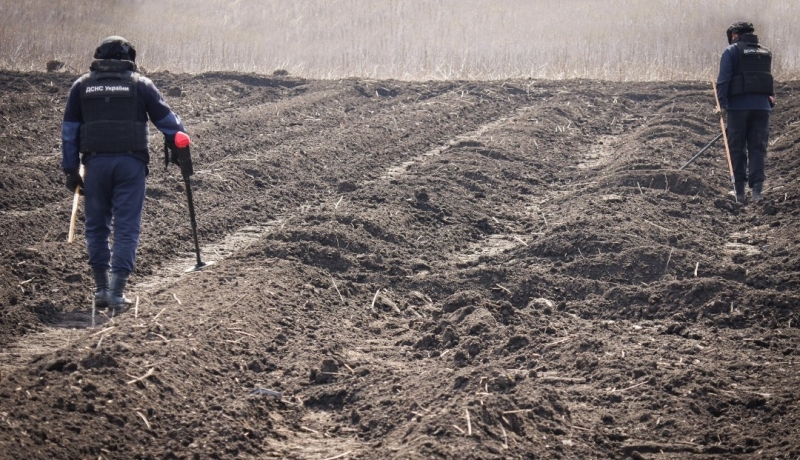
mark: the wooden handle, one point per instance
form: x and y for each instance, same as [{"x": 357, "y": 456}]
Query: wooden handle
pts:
[
  {"x": 74, "y": 216},
  {"x": 724, "y": 135}
]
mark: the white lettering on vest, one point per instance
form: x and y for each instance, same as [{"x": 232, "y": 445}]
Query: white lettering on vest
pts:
[
  {"x": 117, "y": 89},
  {"x": 108, "y": 89}
]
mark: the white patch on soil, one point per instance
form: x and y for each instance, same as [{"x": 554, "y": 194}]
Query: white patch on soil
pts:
[
  {"x": 214, "y": 252},
  {"x": 489, "y": 247},
  {"x": 472, "y": 136},
  {"x": 599, "y": 153}
]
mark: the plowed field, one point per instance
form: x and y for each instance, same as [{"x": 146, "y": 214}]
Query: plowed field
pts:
[{"x": 446, "y": 269}]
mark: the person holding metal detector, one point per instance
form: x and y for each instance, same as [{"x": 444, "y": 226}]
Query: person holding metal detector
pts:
[
  {"x": 745, "y": 93},
  {"x": 105, "y": 130}
]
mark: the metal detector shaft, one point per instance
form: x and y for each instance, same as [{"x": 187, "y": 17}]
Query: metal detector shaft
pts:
[
  {"x": 714, "y": 141},
  {"x": 185, "y": 161},
  {"x": 194, "y": 220}
]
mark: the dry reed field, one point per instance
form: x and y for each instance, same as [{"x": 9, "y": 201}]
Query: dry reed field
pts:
[
  {"x": 455, "y": 230},
  {"x": 621, "y": 40}
]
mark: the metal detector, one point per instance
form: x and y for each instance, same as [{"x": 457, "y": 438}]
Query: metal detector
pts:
[
  {"x": 713, "y": 141},
  {"x": 184, "y": 159}
]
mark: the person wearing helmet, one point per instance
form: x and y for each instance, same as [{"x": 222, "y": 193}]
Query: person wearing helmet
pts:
[
  {"x": 105, "y": 129},
  {"x": 745, "y": 88}
]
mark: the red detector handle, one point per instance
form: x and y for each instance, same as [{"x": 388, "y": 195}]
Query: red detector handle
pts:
[{"x": 182, "y": 140}]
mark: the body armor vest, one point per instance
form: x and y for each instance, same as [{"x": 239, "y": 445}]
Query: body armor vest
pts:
[
  {"x": 109, "y": 103},
  {"x": 753, "y": 72}
]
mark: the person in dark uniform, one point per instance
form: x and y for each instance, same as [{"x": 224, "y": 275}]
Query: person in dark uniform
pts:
[
  {"x": 746, "y": 94},
  {"x": 105, "y": 128}
]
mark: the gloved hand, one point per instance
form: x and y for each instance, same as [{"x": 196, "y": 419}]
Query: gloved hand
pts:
[
  {"x": 180, "y": 153},
  {"x": 720, "y": 112},
  {"x": 73, "y": 181},
  {"x": 173, "y": 151},
  {"x": 172, "y": 157},
  {"x": 175, "y": 143}
]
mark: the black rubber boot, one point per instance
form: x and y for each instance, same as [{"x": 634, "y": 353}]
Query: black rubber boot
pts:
[
  {"x": 100, "y": 287},
  {"x": 741, "y": 198},
  {"x": 757, "y": 191},
  {"x": 116, "y": 293}
]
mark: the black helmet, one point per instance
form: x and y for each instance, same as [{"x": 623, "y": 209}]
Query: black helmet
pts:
[
  {"x": 739, "y": 28},
  {"x": 115, "y": 47}
]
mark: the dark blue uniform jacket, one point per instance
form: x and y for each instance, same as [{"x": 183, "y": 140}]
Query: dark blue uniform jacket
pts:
[
  {"x": 728, "y": 62},
  {"x": 151, "y": 106}
]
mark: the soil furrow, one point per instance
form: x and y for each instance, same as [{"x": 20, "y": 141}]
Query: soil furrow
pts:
[{"x": 510, "y": 269}]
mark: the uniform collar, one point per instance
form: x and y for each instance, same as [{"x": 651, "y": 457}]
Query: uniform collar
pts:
[{"x": 112, "y": 65}]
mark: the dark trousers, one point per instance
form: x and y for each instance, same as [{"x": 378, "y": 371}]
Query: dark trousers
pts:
[
  {"x": 114, "y": 187},
  {"x": 748, "y": 134}
]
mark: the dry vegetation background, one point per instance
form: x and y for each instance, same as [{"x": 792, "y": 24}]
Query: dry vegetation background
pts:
[{"x": 406, "y": 39}]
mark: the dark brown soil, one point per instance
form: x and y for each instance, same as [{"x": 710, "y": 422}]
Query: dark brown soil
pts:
[{"x": 454, "y": 270}]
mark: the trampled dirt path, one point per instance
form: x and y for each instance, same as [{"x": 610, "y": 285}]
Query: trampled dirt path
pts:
[{"x": 457, "y": 270}]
